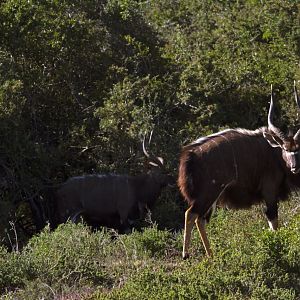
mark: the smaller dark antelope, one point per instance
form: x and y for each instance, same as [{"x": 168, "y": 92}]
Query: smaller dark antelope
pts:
[
  {"x": 112, "y": 200},
  {"x": 237, "y": 168}
]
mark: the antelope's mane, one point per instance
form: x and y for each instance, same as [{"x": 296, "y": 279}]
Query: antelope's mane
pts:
[{"x": 242, "y": 131}]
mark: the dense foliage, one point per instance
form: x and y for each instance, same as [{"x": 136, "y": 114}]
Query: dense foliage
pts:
[{"x": 82, "y": 81}]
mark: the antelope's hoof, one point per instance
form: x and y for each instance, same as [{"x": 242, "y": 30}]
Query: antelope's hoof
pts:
[{"x": 185, "y": 256}]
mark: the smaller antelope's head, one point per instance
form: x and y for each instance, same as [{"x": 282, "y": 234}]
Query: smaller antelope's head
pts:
[
  {"x": 159, "y": 172},
  {"x": 290, "y": 144}
]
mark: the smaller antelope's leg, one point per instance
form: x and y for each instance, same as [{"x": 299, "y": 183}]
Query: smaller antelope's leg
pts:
[
  {"x": 188, "y": 226},
  {"x": 124, "y": 226},
  {"x": 200, "y": 222},
  {"x": 75, "y": 216}
]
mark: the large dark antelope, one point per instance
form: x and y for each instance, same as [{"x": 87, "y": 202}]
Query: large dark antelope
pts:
[
  {"x": 237, "y": 168},
  {"x": 112, "y": 200}
]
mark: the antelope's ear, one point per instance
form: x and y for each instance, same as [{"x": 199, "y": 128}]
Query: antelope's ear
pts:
[{"x": 273, "y": 139}]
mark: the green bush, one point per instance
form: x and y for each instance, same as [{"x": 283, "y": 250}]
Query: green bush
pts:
[
  {"x": 12, "y": 270},
  {"x": 68, "y": 254},
  {"x": 71, "y": 255},
  {"x": 251, "y": 263}
]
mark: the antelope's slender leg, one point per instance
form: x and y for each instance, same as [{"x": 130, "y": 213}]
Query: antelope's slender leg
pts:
[
  {"x": 188, "y": 226},
  {"x": 76, "y": 215},
  {"x": 272, "y": 215},
  {"x": 200, "y": 223},
  {"x": 273, "y": 224}
]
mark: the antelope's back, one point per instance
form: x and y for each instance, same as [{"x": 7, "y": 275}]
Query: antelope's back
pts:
[
  {"x": 236, "y": 155},
  {"x": 96, "y": 194}
]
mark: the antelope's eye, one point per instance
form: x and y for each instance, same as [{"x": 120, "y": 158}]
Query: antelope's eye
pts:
[{"x": 294, "y": 148}]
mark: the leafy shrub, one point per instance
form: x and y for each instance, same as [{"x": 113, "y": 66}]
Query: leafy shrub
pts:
[
  {"x": 151, "y": 242},
  {"x": 68, "y": 254},
  {"x": 251, "y": 263},
  {"x": 12, "y": 270}
]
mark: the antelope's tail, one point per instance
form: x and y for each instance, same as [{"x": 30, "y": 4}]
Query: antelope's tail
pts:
[{"x": 187, "y": 175}]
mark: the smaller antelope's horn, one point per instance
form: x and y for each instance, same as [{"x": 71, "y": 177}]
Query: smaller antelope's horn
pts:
[
  {"x": 271, "y": 126},
  {"x": 296, "y": 95},
  {"x": 144, "y": 148},
  {"x": 157, "y": 161},
  {"x": 149, "y": 141}
]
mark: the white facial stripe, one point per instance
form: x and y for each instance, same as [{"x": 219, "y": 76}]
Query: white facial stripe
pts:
[
  {"x": 292, "y": 153},
  {"x": 292, "y": 160}
]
